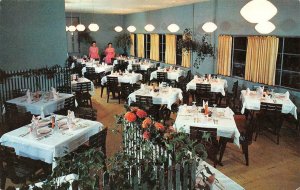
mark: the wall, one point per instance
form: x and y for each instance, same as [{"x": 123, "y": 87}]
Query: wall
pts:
[
  {"x": 226, "y": 14},
  {"x": 106, "y": 32},
  {"x": 32, "y": 34}
]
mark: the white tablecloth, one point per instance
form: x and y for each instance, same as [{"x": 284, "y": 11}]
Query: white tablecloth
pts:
[
  {"x": 130, "y": 60},
  {"x": 225, "y": 181},
  {"x": 82, "y": 80},
  {"x": 252, "y": 102},
  {"x": 56, "y": 145},
  {"x": 144, "y": 66},
  {"x": 218, "y": 85},
  {"x": 99, "y": 68},
  {"x": 226, "y": 126},
  {"x": 164, "y": 96},
  {"x": 43, "y": 106},
  {"x": 131, "y": 78},
  {"x": 172, "y": 75}
]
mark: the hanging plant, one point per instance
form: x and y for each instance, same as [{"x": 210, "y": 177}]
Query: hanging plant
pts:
[{"x": 201, "y": 48}]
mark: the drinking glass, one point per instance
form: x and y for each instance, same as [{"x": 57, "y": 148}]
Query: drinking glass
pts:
[{"x": 194, "y": 106}]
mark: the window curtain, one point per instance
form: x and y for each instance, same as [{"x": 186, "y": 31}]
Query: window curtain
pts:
[
  {"x": 140, "y": 43},
  {"x": 261, "y": 58},
  {"x": 170, "y": 53},
  {"x": 154, "y": 47},
  {"x": 224, "y": 55},
  {"x": 132, "y": 45},
  {"x": 186, "y": 57}
]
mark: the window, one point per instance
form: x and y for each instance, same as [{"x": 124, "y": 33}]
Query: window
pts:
[
  {"x": 288, "y": 63},
  {"x": 239, "y": 56},
  {"x": 147, "y": 44},
  {"x": 135, "y": 44},
  {"x": 178, "y": 51},
  {"x": 162, "y": 47}
]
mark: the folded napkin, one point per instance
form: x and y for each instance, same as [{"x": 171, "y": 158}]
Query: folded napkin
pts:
[
  {"x": 228, "y": 112},
  {"x": 247, "y": 91},
  {"x": 209, "y": 76},
  {"x": 171, "y": 68},
  {"x": 196, "y": 77},
  {"x": 35, "y": 120},
  {"x": 205, "y": 81},
  {"x": 126, "y": 71},
  {"x": 204, "y": 103},
  {"x": 260, "y": 90},
  {"x": 142, "y": 86},
  {"x": 287, "y": 95},
  {"x": 158, "y": 68},
  {"x": 28, "y": 96},
  {"x": 71, "y": 119}
]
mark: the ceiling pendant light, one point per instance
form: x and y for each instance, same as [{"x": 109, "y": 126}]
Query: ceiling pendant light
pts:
[
  {"x": 93, "y": 27},
  {"x": 173, "y": 28},
  {"x": 118, "y": 29},
  {"x": 149, "y": 28},
  {"x": 131, "y": 28},
  {"x": 209, "y": 27},
  {"x": 67, "y": 28},
  {"x": 258, "y": 11},
  {"x": 72, "y": 28},
  {"x": 265, "y": 27},
  {"x": 80, "y": 27}
]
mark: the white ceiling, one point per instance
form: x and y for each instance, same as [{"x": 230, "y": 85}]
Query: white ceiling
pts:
[{"x": 122, "y": 6}]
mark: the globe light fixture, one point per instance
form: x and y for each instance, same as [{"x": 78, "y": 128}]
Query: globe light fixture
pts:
[
  {"x": 118, "y": 29},
  {"x": 173, "y": 28},
  {"x": 258, "y": 11},
  {"x": 80, "y": 27},
  {"x": 149, "y": 28},
  {"x": 72, "y": 28},
  {"x": 209, "y": 27},
  {"x": 265, "y": 27},
  {"x": 93, "y": 27},
  {"x": 131, "y": 28},
  {"x": 67, "y": 29}
]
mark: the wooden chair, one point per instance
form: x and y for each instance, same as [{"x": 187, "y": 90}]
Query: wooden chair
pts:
[
  {"x": 86, "y": 113},
  {"x": 207, "y": 137},
  {"x": 113, "y": 87},
  {"x": 246, "y": 131},
  {"x": 269, "y": 118},
  {"x": 64, "y": 89},
  {"x": 68, "y": 104},
  {"x": 18, "y": 93},
  {"x": 231, "y": 98},
  {"x": 203, "y": 93},
  {"x": 126, "y": 89},
  {"x": 91, "y": 74},
  {"x": 82, "y": 94},
  {"x": 146, "y": 103}
]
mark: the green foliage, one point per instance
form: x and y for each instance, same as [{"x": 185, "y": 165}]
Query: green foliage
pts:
[
  {"x": 123, "y": 40},
  {"x": 201, "y": 48},
  {"x": 85, "y": 37}
]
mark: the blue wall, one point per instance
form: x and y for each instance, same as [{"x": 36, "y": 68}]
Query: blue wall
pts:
[
  {"x": 106, "y": 32},
  {"x": 32, "y": 34}
]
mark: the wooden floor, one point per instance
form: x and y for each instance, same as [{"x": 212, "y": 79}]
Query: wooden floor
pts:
[{"x": 272, "y": 166}]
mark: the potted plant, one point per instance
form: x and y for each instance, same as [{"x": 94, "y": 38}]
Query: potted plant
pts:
[{"x": 123, "y": 40}]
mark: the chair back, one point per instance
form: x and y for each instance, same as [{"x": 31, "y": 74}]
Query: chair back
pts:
[
  {"x": 270, "y": 107},
  {"x": 18, "y": 93},
  {"x": 202, "y": 88},
  {"x": 90, "y": 70},
  {"x": 144, "y": 101},
  {"x": 126, "y": 89},
  {"x": 112, "y": 82},
  {"x": 235, "y": 89},
  {"x": 86, "y": 113},
  {"x": 136, "y": 67},
  {"x": 162, "y": 76},
  {"x": 99, "y": 140},
  {"x": 69, "y": 103},
  {"x": 83, "y": 87}
]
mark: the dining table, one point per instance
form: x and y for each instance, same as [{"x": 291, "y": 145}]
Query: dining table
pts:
[
  {"x": 160, "y": 95},
  {"x": 172, "y": 74},
  {"x": 251, "y": 101},
  {"x": 144, "y": 66},
  {"x": 45, "y": 105},
  {"x": 131, "y": 78},
  {"x": 222, "y": 119},
  {"x": 218, "y": 85},
  {"x": 48, "y": 143},
  {"x": 79, "y": 80},
  {"x": 99, "y": 68}
]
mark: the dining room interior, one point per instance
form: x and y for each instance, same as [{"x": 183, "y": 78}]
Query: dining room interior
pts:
[{"x": 149, "y": 94}]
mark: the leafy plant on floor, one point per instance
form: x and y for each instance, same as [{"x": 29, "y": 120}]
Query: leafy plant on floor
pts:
[{"x": 123, "y": 40}]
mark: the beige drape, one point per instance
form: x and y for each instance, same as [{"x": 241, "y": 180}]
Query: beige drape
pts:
[
  {"x": 224, "y": 55},
  {"x": 170, "y": 52},
  {"x": 132, "y": 45},
  {"x": 154, "y": 47},
  {"x": 186, "y": 57},
  {"x": 261, "y": 59},
  {"x": 140, "y": 43}
]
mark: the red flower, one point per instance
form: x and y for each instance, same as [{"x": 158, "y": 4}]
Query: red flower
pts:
[
  {"x": 159, "y": 126},
  {"x": 146, "y": 135},
  {"x": 146, "y": 123},
  {"x": 134, "y": 109},
  {"x": 141, "y": 113},
  {"x": 130, "y": 117}
]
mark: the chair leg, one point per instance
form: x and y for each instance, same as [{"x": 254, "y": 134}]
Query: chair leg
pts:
[
  {"x": 107, "y": 91},
  {"x": 245, "y": 151},
  {"x": 223, "y": 144},
  {"x": 102, "y": 88}
]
